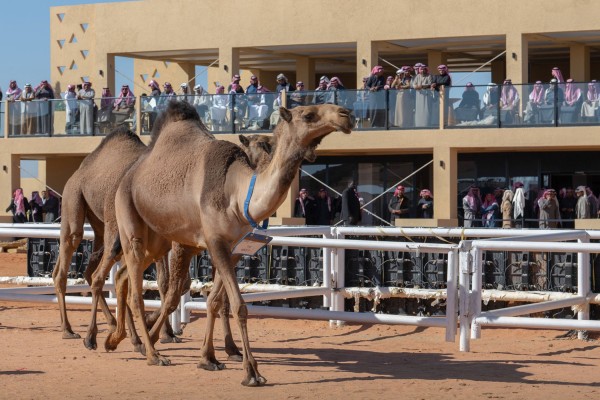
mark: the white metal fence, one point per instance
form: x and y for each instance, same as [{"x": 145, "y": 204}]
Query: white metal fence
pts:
[{"x": 463, "y": 293}]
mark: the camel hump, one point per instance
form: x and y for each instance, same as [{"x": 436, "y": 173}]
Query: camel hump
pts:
[{"x": 176, "y": 111}]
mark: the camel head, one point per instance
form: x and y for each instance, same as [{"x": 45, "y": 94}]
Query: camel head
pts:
[
  {"x": 258, "y": 148},
  {"x": 306, "y": 126}
]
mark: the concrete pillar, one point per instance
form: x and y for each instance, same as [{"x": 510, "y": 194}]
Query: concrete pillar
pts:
[
  {"x": 445, "y": 175},
  {"x": 435, "y": 58},
  {"x": 305, "y": 72},
  {"x": 579, "y": 63},
  {"x": 367, "y": 57},
  {"x": 517, "y": 58},
  {"x": 10, "y": 179},
  {"x": 229, "y": 64}
]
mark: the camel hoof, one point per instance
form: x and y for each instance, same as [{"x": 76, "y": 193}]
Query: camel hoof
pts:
[
  {"x": 70, "y": 335},
  {"x": 254, "y": 381},
  {"x": 235, "y": 357},
  {"x": 170, "y": 339},
  {"x": 90, "y": 344},
  {"x": 140, "y": 348},
  {"x": 110, "y": 344},
  {"x": 160, "y": 361},
  {"x": 211, "y": 366}
]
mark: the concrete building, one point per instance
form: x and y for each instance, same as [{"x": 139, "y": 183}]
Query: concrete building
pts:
[{"x": 304, "y": 40}]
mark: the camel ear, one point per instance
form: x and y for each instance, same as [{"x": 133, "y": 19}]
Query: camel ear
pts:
[
  {"x": 244, "y": 140},
  {"x": 285, "y": 114},
  {"x": 266, "y": 146}
]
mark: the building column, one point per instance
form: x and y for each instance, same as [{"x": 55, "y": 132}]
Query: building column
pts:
[
  {"x": 517, "y": 58},
  {"x": 229, "y": 64},
  {"x": 435, "y": 58},
  {"x": 367, "y": 57},
  {"x": 579, "y": 63},
  {"x": 445, "y": 176},
  {"x": 10, "y": 179},
  {"x": 305, "y": 72}
]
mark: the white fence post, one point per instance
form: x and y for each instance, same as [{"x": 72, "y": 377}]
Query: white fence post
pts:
[
  {"x": 451, "y": 290},
  {"x": 583, "y": 283},
  {"x": 475, "y": 294},
  {"x": 463, "y": 293},
  {"x": 327, "y": 261}
]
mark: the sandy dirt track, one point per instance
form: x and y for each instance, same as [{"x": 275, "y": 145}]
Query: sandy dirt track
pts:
[{"x": 300, "y": 359}]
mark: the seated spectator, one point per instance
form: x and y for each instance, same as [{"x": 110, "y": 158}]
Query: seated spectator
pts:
[
  {"x": 106, "y": 106},
  {"x": 218, "y": 109},
  {"x": 572, "y": 104},
  {"x": 320, "y": 96},
  {"x": 298, "y": 96},
  {"x": 283, "y": 84},
  {"x": 337, "y": 92},
  {"x": 509, "y": 102},
  {"x": 469, "y": 106},
  {"x": 201, "y": 101},
  {"x": 554, "y": 94},
  {"x": 126, "y": 100},
  {"x": 536, "y": 99},
  {"x": 490, "y": 100},
  {"x": 184, "y": 93},
  {"x": 591, "y": 103}
]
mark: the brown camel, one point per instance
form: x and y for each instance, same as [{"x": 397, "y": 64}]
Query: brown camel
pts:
[
  {"x": 89, "y": 193},
  {"x": 203, "y": 184}
]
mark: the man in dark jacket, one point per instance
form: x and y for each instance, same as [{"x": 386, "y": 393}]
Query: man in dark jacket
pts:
[{"x": 350, "y": 213}]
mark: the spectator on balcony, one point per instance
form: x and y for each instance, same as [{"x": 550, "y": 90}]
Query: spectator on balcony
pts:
[
  {"x": 325, "y": 209},
  {"x": 44, "y": 93},
  {"x": 490, "y": 211},
  {"x": 154, "y": 90},
  {"x": 554, "y": 94},
  {"x": 305, "y": 207},
  {"x": 549, "y": 210},
  {"x": 283, "y": 84},
  {"x": 235, "y": 79},
  {"x": 71, "y": 108},
  {"x": 37, "y": 214},
  {"x": 298, "y": 96},
  {"x": 591, "y": 103},
  {"x": 13, "y": 94},
  {"x": 572, "y": 94},
  {"x": 509, "y": 102},
  {"x": 375, "y": 85},
  {"x": 471, "y": 204},
  {"x": 19, "y": 207},
  {"x": 568, "y": 203},
  {"x": 391, "y": 99},
  {"x": 507, "y": 209},
  {"x": 557, "y": 74},
  {"x": 582, "y": 207},
  {"x": 536, "y": 99},
  {"x": 469, "y": 106},
  {"x": 86, "y": 109},
  {"x": 399, "y": 205},
  {"x": 442, "y": 79},
  {"x": 29, "y": 110},
  {"x": 184, "y": 93},
  {"x": 424, "y": 97},
  {"x": 490, "y": 100},
  {"x": 202, "y": 101},
  {"x": 126, "y": 100},
  {"x": 337, "y": 92},
  {"x": 425, "y": 204},
  {"x": 167, "y": 96},
  {"x": 404, "y": 117},
  {"x": 218, "y": 109},
  {"x": 320, "y": 96}
]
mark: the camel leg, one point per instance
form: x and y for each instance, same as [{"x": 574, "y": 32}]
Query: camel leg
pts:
[
  {"x": 225, "y": 263},
  {"x": 179, "y": 281},
  {"x": 71, "y": 233},
  {"x": 166, "y": 333},
  {"x": 115, "y": 337},
  {"x": 214, "y": 303},
  {"x": 122, "y": 281},
  {"x": 230, "y": 347}
]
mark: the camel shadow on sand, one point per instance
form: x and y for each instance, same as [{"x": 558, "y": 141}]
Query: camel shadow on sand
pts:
[{"x": 406, "y": 366}]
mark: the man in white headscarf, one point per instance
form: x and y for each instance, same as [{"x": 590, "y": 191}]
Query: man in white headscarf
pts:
[
  {"x": 519, "y": 207},
  {"x": 582, "y": 208}
]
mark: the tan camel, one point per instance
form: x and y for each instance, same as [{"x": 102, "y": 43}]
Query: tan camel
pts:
[
  {"x": 89, "y": 193},
  {"x": 203, "y": 184}
]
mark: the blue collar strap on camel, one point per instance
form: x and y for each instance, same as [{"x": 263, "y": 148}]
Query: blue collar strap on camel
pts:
[{"x": 252, "y": 222}]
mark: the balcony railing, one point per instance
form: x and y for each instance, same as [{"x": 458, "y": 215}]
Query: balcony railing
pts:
[{"x": 491, "y": 106}]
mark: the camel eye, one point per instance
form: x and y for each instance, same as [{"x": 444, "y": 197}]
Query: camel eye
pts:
[{"x": 309, "y": 116}]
